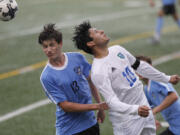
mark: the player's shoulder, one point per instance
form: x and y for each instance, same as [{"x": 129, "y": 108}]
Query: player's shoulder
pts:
[
  {"x": 155, "y": 83},
  {"x": 114, "y": 47},
  {"x": 160, "y": 84},
  {"x": 75, "y": 55},
  {"x": 46, "y": 74}
]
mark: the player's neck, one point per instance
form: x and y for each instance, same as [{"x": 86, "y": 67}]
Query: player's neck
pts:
[
  {"x": 58, "y": 61},
  {"x": 101, "y": 52}
]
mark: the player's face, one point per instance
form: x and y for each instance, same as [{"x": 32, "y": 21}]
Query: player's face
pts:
[
  {"x": 99, "y": 37},
  {"x": 51, "y": 48}
]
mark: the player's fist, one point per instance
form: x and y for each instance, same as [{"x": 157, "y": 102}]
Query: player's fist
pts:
[
  {"x": 103, "y": 106},
  {"x": 100, "y": 116},
  {"x": 174, "y": 79},
  {"x": 143, "y": 111}
]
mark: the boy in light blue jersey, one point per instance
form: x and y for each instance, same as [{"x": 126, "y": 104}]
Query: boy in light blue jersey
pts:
[
  {"x": 67, "y": 83},
  {"x": 168, "y": 8},
  {"x": 163, "y": 98}
]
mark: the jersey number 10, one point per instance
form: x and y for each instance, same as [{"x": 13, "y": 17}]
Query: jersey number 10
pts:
[{"x": 129, "y": 75}]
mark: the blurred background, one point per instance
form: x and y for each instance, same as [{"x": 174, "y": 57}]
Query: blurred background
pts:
[{"x": 24, "y": 108}]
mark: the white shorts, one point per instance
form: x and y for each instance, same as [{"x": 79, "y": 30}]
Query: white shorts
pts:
[{"x": 142, "y": 126}]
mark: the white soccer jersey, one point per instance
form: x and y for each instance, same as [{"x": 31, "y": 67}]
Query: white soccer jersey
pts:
[{"x": 122, "y": 90}]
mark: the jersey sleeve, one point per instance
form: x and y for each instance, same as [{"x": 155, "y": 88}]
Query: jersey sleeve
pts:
[
  {"x": 147, "y": 71},
  {"x": 86, "y": 66},
  {"x": 104, "y": 86},
  {"x": 53, "y": 92},
  {"x": 166, "y": 88}
]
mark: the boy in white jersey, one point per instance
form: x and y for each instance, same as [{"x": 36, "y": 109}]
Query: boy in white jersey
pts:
[
  {"x": 113, "y": 74},
  {"x": 67, "y": 83}
]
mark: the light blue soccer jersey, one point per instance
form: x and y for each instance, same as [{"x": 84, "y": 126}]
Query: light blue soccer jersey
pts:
[
  {"x": 168, "y": 2},
  {"x": 156, "y": 92},
  {"x": 69, "y": 83}
]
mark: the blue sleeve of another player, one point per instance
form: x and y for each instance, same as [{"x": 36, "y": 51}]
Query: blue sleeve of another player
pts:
[
  {"x": 86, "y": 66},
  {"x": 54, "y": 93},
  {"x": 166, "y": 88}
]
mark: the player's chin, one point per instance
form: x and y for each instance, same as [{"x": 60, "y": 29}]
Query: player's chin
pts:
[
  {"x": 50, "y": 56},
  {"x": 108, "y": 39}
]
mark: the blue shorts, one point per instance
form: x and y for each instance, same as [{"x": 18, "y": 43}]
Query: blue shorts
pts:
[{"x": 94, "y": 130}]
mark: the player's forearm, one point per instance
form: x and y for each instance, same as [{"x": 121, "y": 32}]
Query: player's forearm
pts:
[
  {"x": 94, "y": 90},
  {"x": 151, "y": 73},
  {"x": 169, "y": 100},
  {"x": 103, "y": 83},
  {"x": 96, "y": 95},
  {"x": 75, "y": 107},
  {"x": 116, "y": 105}
]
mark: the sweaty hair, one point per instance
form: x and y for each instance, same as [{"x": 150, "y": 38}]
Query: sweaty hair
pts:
[
  {"x": 144, "y": 58},
  {"x": 49, "y": 32},
  {"x": 81, "y": 37}
]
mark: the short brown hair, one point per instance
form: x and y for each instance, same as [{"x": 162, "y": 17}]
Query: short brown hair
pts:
[
  {"x": 144, "y": 58},
  {"x": 49, "y": 32}
]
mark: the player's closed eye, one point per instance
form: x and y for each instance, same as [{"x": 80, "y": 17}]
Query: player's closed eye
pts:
[{"x": 51, "y": 45}]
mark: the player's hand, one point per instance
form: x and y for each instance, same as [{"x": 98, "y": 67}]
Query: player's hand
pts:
[
  {"x": 100, "y": 116},
  {"x": 143, "y": 111},
  {"x": 103, "y": 106},
  {"x": 174, "y": 79}
]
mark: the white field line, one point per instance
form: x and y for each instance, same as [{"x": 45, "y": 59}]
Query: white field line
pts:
[
  {"x": 24, "y": 109},
  {"x": 166, "y": 58},
  {"x": 47, "y": 101},
  {"x": 66, "y": 24}
]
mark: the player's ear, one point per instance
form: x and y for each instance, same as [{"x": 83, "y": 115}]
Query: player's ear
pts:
[
  {"x": 60, "y": 44},
  {"x": 90, "y": 43}
]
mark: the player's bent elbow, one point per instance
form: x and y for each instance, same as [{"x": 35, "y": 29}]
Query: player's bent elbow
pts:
[
  {"x": 173, "y": 96},
  {"x": 65, "y": 106}
]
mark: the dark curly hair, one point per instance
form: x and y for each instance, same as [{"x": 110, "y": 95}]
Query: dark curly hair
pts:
[
  {"x": 81, "y": 36},
  {"x": 49, "y": 32}
]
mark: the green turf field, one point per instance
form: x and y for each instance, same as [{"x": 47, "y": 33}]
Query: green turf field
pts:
[{"x": 127, "y": 22}]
